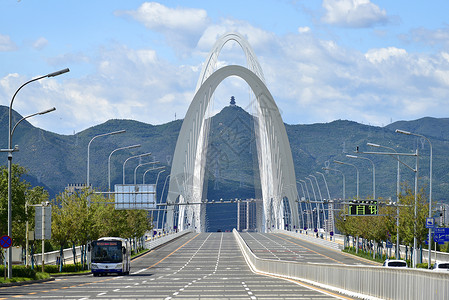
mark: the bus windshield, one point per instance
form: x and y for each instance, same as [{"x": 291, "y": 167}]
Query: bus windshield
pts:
[{"x": 106, "y": 251}]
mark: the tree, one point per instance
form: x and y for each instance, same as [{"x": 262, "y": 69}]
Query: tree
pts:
[
  {"x": 407, "y": 217},
  {"x": 21, "y": 193}
]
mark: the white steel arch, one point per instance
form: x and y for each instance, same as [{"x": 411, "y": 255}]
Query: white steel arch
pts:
[
  {"x": 274, "y": 156},
  {"x": 211, "y": 62}
]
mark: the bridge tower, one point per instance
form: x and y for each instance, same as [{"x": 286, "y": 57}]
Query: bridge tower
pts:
[{"x": 276, "y": 169}]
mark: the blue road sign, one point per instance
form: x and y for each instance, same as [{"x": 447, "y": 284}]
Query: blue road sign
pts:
[
  {"x": 5, "y": 241},
  {"x": 388, "y": 244},
  {"x": 430, "y": 223}
]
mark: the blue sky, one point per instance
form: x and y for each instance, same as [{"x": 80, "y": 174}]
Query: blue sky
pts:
[{"x": 372, "y": 62}]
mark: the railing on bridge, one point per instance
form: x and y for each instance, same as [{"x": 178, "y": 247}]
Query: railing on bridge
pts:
[
  {"x": 52, "y": 257},
  {"x": 367, "y": 282}
]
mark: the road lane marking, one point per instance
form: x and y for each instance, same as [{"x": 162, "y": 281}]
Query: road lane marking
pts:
[
  {"x": 312, "y": 250},
  {"x": 155, "y": 264},
  {"x": 342, "y": 253}
]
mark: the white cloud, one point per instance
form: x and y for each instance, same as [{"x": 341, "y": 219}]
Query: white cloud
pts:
[
  {"x": 312, "y": 79},
  {"x": 257, "y": 38},
  {"x": 159, "y": 17},
  {"x": 40, "y": 43},
  {"x": 353, "y": 13},
  {"x": 6, "y": 44},
  {"x": 181, "y": 26},
  {"x": 383, "y": 54},
  {"x": 305, "y": 29},
  {"x": 428, "y": 37}
]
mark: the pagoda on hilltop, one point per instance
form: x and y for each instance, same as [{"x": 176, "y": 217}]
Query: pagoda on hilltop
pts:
[{"x": 232, "y": 102}]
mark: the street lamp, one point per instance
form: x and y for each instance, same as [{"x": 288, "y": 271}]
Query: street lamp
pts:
[
  {"x": 430, "y": 183},
  {"x": 153, "y": 169},
  {"x": 374, "y": 172},
  {"x": 310, "y": 204},
  {"x": 109, "y": 162},
  {"x": 135, "y": 156},
  {"x": 300, "y": 206},
  {"x": 88, "y": 151},
  {"x": 157, "y": 179},
  {"x": 330, "y": 214},
  {"x": 16, "y": 149},
  {"x": 318, "y": 204},
  {"x": 415, "y": 170},
  {"x": 357, "y": 170},
  {"x": 10, "y": 151},
  {"x": 397, "y": 193},
  {"x": 165, "y": 212},
  {"x": 344, "y": 180},
  {"x": 142, "y": 164},
  {"x": 322, "y": 202}
]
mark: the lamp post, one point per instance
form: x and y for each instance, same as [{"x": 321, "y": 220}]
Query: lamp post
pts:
[
  {"x": 430, "y": 184},
  {"x": 300, "y": 206},
  {"x": 322, "y": 203},
  {"x": 397, "y": 194},
  {"x": 310, "y": 222},
  {"x": 357, "y": 170},
  {"x": 16, "y": 149},
  {"x": 374, "y": 171},
  {"x": 415, "y": 170},
  {"x": 153, "y": 169},
  {"x": 162, "y": 194},
  {"x": 88, "y": 152},
  {"x": 126, "y": 160},
  {"x": 142, "y": 164},
  {"x": 316, "y": 200},
  {"x": 330, "y": 214},
  {"x": 157, "y": 179},
  {"x": 344, "y": 180},
  {"x": 109, "y": 161},
  {"x": 10, "y": 151}
]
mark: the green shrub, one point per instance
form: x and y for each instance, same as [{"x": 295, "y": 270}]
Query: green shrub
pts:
[
  {"x": 65, "y": 268},
  {"x": 422, "y": 265},
  {"x": 50, "y": 268},
  {"x": 20, "y": 271}
]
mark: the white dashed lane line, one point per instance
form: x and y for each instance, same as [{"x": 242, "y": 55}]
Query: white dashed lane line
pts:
[{"x": 248, "y": 290}]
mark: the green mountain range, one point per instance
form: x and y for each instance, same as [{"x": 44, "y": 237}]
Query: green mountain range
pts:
[{"x": 55, "y": 161}]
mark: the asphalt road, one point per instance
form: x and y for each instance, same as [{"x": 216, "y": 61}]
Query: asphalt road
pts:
[
  {"x": 195, "y": 266},
  {"x": 283, "y": 247}
]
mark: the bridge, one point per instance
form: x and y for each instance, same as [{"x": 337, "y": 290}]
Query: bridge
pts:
[
  {"x": 243, "y": 266},
  {"x": 271, "y": 263},
  {"x": 275, "y": 163}
]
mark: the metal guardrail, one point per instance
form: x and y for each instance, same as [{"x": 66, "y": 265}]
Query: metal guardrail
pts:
[
  {"x": 52, "y": 257},
  {"x": 151, "y": 244},
  {"x": 311, "y": 238},
  {"x": 339, "y": 239},
  {"x": 366, "y": 282}
]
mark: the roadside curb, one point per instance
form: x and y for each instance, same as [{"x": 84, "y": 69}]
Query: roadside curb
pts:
[
  {"x": 25, "y": 282},
  {"x": 70, "y": 274},
  {"x": 141, "y": 254}
]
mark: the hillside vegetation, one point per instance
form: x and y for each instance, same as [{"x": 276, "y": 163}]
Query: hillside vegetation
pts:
[{"x": 54, "y": 160}]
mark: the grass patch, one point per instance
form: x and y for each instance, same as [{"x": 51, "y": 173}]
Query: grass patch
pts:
[
  {"x": 369, "y": 256},
  {"x": 138, "y": 252},
  {"x": 365, "y": 255},
  {"x": 37, "y": 276}
]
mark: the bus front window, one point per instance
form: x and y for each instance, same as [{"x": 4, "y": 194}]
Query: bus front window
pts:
[{"x": 107, "y": 252}]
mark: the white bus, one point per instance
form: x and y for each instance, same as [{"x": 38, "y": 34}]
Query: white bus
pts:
[{"x": 110, "y": 255}]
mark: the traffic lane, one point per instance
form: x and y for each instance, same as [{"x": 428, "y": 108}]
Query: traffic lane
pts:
[
  {"x": 74, "y": 286},
  {"x": 283, "y": 247},
  {"x": 218, "y": 270},
  {"x": 206, "y": 265}
]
